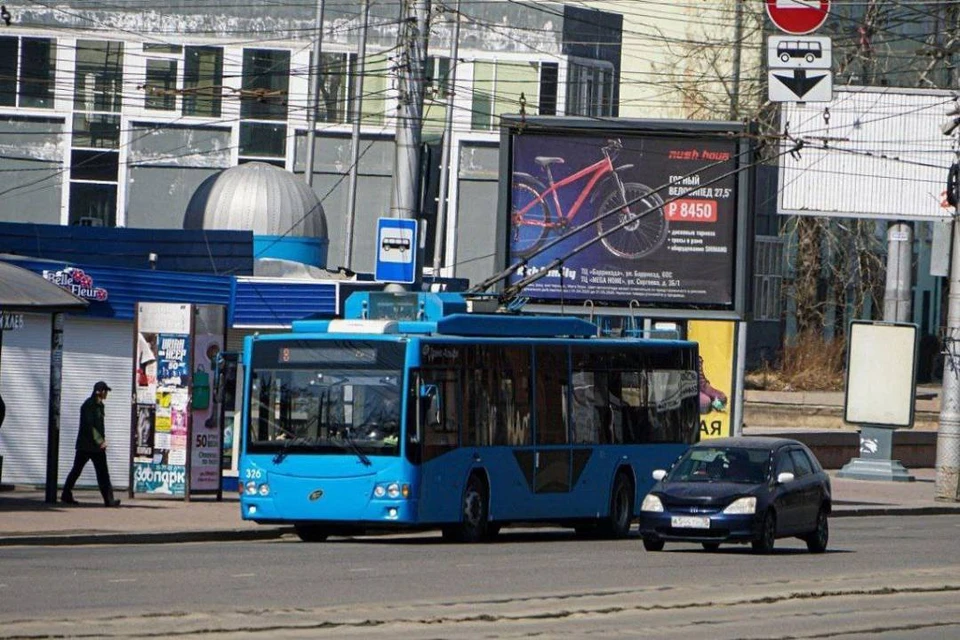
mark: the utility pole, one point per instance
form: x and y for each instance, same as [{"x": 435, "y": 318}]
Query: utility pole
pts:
[
  {"x": 355, "y": 136},
  {"x": 737, "y": 52},
  {"x": 948, "y": 432},
  {"x": 314, "y": 92},
  {"x": 442, "y": 210},
  {"x": 412, "y": 45}
]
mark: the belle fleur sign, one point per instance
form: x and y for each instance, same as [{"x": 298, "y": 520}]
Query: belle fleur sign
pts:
[{"x": 78, "y": 282}]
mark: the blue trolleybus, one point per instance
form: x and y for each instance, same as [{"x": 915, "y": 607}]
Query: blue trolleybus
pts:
[{"x": 457, "y": 421}]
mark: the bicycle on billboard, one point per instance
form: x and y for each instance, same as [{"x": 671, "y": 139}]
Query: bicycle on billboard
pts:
[{"x": 635, "y": 210}]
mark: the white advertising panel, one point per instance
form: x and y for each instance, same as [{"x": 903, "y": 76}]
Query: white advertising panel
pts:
[
  {"x": 868, "y": 153},
  {"x": 881, "y": 374}
]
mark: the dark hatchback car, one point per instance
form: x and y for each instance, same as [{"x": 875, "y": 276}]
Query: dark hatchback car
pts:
[{"x": 744, "y": 489}]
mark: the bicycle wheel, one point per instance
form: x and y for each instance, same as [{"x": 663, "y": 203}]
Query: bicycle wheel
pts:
[
  {"x": 527, "y": 228},
  {"x": 645, "y": 228}
]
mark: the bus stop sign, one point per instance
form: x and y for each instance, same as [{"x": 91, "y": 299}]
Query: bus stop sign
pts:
[
  {"x": 396, "y": 250},
  {"x": 798, "y": 16}
]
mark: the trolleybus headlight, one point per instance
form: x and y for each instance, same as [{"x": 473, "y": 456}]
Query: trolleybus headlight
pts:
[
  {"x": 264, "y": 489},
  {"x": 393, "y": 490},
  {"x": 251, "y": 488},
  {"x": 379, "y": 491},
  {"x": 741, "y": 506},
  {"x": 651, "y": 503}
]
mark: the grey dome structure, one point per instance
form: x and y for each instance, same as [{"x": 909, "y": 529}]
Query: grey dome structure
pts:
[{"x": 257, "y": 197}]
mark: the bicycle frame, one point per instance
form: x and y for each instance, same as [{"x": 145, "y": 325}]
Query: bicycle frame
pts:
[{"x": 596, "y": 171}]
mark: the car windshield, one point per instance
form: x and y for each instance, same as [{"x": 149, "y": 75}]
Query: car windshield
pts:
[{"x": 722, "y": 464}]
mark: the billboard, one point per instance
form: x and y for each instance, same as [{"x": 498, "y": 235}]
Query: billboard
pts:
[
  {"x": 872, "y": 152},
  {"x": 627, "y": 213}
]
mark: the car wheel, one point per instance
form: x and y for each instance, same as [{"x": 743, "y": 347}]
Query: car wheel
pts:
[
  {"x": 817, "y": 541},
  {"x": 711, "y": 546},
  {"x": 311, "y": 532},
  {"x": 768, "y": 534},
  {"x": 653, "y": 544}
]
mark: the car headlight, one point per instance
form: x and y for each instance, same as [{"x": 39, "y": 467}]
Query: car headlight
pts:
[
  {"x": 651, "y": 503},
  {"x": 741, "y": 506}
]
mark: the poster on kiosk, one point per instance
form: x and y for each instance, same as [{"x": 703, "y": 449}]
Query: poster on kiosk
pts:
[{"x": 176, "y": 438}]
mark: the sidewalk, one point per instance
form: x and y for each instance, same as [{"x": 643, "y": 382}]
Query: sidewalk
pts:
[{"x": 26, "y": 520}]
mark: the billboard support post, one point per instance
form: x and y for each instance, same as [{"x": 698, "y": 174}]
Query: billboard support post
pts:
[{"x": 896, "y": 295}]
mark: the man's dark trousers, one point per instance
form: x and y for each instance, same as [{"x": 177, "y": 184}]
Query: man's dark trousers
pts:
[{"x": 99, "y": 459}]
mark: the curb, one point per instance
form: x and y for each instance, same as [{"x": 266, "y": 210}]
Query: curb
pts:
[
  {"x": 895, "y": 511},
  {"x": 145, "y": 537}
]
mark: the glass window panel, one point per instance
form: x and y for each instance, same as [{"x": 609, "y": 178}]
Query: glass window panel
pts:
[
  {"x": 93, "y": 204},
  {"x": 266, "y": 76},
  {"x": 512, "y": 80},
  {"x": 202, "y": 80},
  {"x": 8, "y": 71},
  {"x": 549, "y": 79},
  {"x": 99, "y": 76},
  {"x": 551, "y": 395},
  {"x": 94, "y": 165},
  {"x": 38, "y": 66},
  {"x": 263, "y": 139},
  {"x": 96, "y": 131},
  {"x": 149, "y": 47},
  {"x": 376, "y": 73},
  {"x": 482, "y": 109},
  {"x": 334, "y": 88},
  {"x": 161, "y": 85}
]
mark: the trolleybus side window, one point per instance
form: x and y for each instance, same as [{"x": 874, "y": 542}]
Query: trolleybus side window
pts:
[
  {"x": 551, "y": 390},
  {"x": 441, "y": 416}
]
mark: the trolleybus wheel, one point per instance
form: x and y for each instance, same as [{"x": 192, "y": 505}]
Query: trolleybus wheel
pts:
[{"x": 311, "y": 532}]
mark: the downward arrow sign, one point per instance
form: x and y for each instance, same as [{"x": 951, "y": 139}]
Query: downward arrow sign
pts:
[{"x": 799, "y": 83}]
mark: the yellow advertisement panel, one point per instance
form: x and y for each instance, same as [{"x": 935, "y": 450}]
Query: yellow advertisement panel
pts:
[{"x": 717, "y": 339}]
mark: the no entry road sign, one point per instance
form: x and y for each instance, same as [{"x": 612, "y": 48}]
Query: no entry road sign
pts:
[{"x": 798, "y": 16}]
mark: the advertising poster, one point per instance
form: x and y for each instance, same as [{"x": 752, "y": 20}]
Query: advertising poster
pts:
[
  {"x": 162, "y": 419},
  {"x": 208, "y": 340},
  {"x": 663, "y": 210},
  {"x": 717, "y": 339}
]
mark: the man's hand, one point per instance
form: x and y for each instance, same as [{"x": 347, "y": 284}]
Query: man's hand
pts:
[{"x": 103, "y": 445}]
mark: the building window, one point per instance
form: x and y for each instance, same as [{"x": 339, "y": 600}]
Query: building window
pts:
[
  {"x": 202, "y": 80},
  {"x": 266, "y": 76},
  {"x": 336, "y": 92},
  {"x": 98, "y": 79},
  {"x": 590, "y": 88},
  {"x": 161, "y": 85},
  {"x": 263, "y": 140},
  {"x": 505, "y": 88},
  {"x": 30, "y": 83},
  {"x": 549, "y": 81},
  {"x": 93, "y": 204}
]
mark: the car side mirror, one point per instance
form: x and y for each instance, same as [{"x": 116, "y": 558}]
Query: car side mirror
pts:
[
  {"x": 659, "y": 475},
  {"x": 785, "y": 477}
]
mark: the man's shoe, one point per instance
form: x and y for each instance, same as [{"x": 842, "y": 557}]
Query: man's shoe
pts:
[
  {"x": 68, "y": 499},
  {"x": 113, "y": 503}
]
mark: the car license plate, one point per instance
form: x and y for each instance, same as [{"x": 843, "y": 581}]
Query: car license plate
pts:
[{"x": 690, "y": 522}]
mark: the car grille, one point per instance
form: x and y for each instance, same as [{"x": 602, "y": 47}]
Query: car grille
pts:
[{"x": 693, "y": 509}]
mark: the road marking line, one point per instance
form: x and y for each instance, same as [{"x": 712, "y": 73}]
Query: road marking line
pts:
[
  {"x": 123, "y": 580},
  {"x": 361, "y": 569},
  {"x": 243, "y": 575}
]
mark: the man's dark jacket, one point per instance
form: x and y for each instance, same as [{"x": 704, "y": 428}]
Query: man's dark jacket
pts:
[{"x": 90, "y": 436}]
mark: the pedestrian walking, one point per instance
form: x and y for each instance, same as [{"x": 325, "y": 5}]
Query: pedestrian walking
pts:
[{"x": 92, "y": 445}]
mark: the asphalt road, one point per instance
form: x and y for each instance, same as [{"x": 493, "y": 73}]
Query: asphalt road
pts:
[{"x": 883, "y": 577}]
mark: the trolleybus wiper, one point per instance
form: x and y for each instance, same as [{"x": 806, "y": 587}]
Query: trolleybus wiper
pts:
[{"x": 356, "y": 448}]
